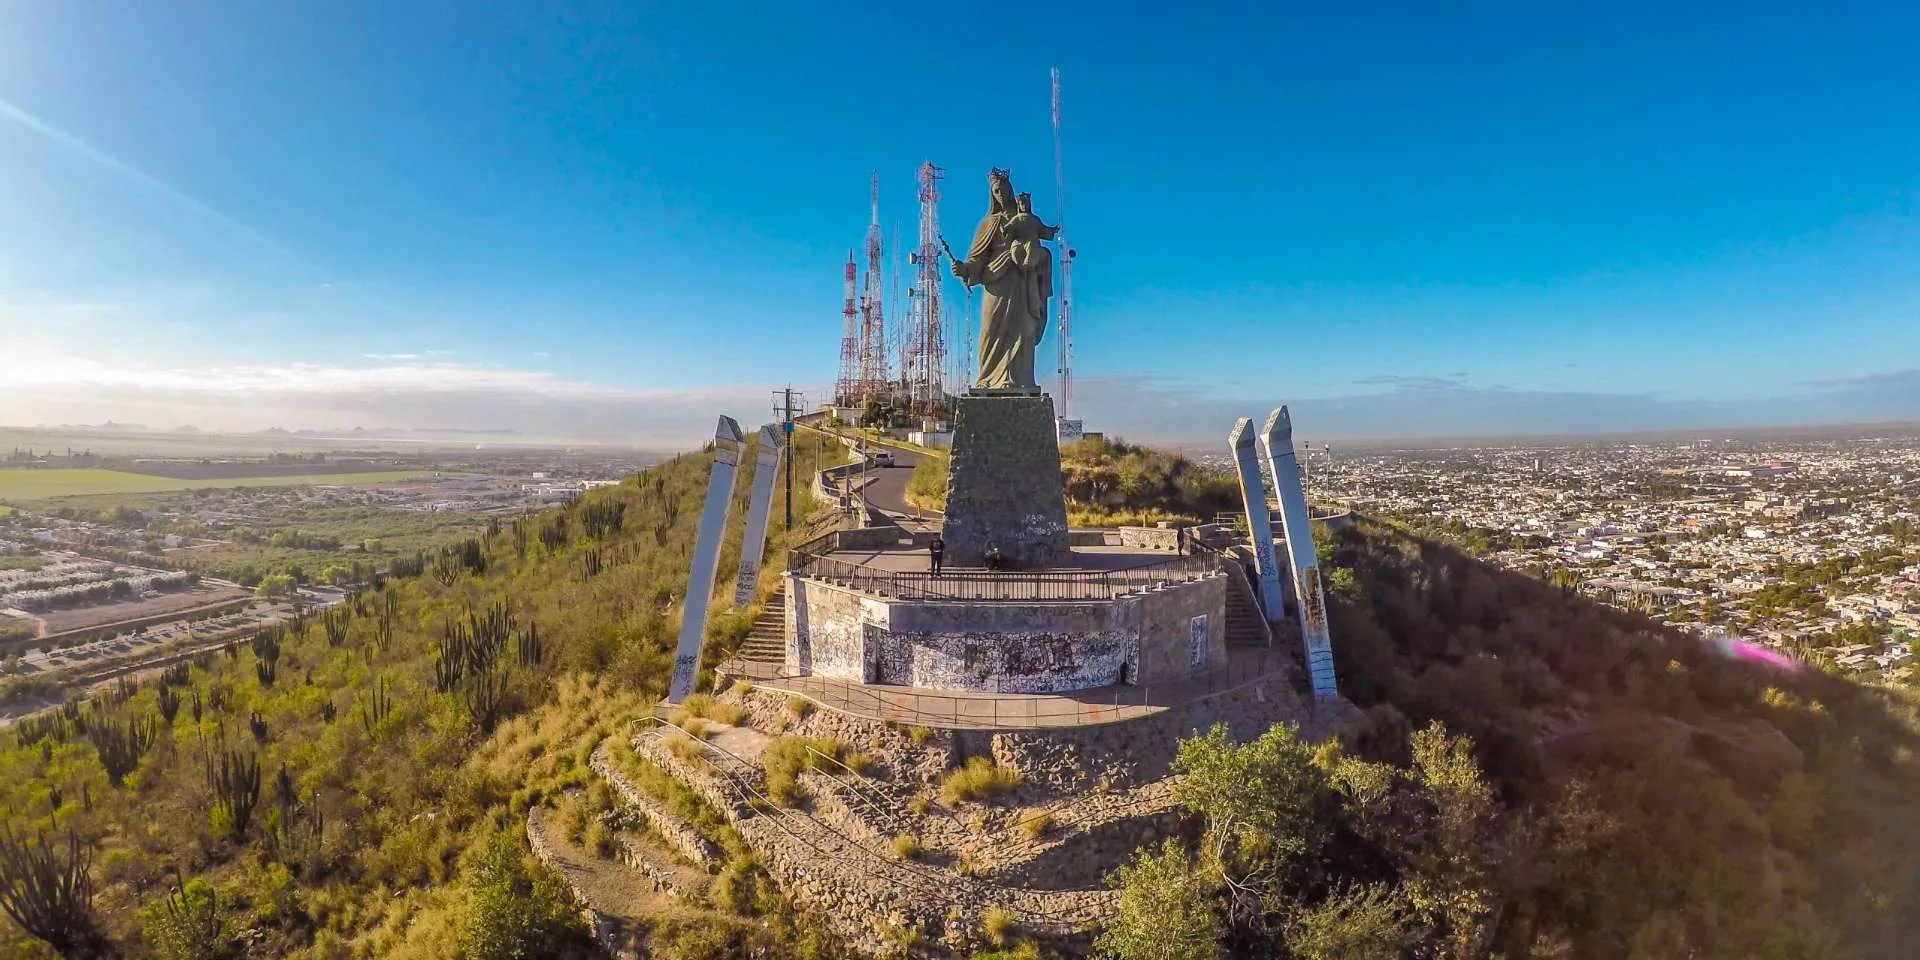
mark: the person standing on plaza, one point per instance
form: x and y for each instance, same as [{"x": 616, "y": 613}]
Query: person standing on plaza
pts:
[{"x": 936, "y": 549}]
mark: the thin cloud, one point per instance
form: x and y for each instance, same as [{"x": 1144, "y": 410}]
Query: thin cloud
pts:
[
  {"x": 391, "y": 356},
  {"x": 174, "y": 195},
  {"x": 1451, "y": 381},
  {"x": 399, "y": 393}
]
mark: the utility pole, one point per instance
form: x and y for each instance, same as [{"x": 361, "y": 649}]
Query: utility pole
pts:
[{"x": 783, "y": 409}]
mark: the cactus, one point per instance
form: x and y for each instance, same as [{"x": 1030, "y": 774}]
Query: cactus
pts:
[
  {"x": 120, "y": 748},
  {"x": 266, "y": 645},
  {"x": 335, "y": 621},
  {"x": 194, "y": 927},
  {"x": 235, "y": 785},
  {"x": 266, "y": 671},
  {"x": 198, "y": 708},
  {"x": 169, "y": 705},
  {"x": 49, "y": 892},
  {"x": 257, "y": 725},
  {"x": 486, "y": 695},
  {"x": 380, "y": 705},
  {"x": 327, "y": 711},
  {"x": 529, "y": 648}
]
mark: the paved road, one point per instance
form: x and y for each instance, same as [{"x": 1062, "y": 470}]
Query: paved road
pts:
[{"x": 888, "y": 488}]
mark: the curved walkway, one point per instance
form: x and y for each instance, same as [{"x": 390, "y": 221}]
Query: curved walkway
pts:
[{"x": 966, "y": 710}]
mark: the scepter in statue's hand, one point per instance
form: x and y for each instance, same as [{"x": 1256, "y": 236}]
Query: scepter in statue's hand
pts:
[{"x": 955, "y": 261}]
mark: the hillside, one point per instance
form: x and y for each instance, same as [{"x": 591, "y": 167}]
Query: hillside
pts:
[
  {"x": 1542, "y": 776},
  {"x": 337, "y": 790}
]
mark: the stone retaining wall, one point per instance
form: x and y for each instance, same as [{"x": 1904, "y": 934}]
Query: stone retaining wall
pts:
[{"x": 678, "y": 834}]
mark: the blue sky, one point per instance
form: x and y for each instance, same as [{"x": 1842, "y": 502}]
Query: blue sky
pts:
[{"x": 620, "y": 220}]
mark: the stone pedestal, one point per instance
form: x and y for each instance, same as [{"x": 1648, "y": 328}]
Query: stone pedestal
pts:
[{"x": 1003, "y": 482}]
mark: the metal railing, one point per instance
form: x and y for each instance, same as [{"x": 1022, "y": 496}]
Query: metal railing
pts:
[{"x": 980, "y": 584}]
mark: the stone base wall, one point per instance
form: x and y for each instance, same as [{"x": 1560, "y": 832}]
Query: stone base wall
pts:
[
  {"x": 1162, "y": 635},
  {"x": 1003, "y": 483}
]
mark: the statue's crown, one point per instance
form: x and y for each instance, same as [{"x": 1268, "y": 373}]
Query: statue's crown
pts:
[{"x": 998, "y": 173}]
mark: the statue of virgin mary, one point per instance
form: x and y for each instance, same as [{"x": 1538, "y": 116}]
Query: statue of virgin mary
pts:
[{"x": 1015, "y": 274}]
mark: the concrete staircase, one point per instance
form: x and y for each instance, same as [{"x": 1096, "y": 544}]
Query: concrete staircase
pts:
[
  {"x": 767, "y": 641},
  {"x": 1246, "y": 625}
]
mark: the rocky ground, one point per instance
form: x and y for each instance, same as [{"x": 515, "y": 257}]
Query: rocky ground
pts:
[{"x": 876, "y": 841}]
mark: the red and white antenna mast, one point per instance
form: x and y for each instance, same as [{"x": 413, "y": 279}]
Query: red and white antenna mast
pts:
[
  {"x": 873, "y": 333},
  {"x": 929, "y": 389},
  {"x": 1065, "y": 257},
  {"x": 846, "y": 390}
]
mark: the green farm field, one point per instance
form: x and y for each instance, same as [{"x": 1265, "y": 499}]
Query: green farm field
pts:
[{"x": 26, "y": 485}]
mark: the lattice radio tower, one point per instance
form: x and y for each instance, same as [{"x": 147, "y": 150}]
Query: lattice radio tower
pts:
[
  {"x": 873, "y": 321},
  {"x": 1065, "y": 340},
  {"x": 846, "y": 390},
  {"x": 926, "y": 381}
]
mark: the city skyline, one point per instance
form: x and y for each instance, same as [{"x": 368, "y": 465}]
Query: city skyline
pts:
[{"x": 1494, "y": 221}]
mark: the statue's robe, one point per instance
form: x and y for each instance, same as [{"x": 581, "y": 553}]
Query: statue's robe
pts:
[{"x": 1016, "y": 279}]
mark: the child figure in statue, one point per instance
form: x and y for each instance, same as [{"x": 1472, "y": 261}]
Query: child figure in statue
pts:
[{"x": 1024, "y": 232}]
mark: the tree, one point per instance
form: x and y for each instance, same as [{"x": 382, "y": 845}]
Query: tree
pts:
[
  {"x": 1364, "y": 924},
  {"x": 275, "y": 585},
  {"x": 1264, "y": 800},
  {"x": 1166, "y": 910}
]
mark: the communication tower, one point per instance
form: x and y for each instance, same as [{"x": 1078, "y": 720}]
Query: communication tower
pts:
[
  {"x": 846, "y": 390},
  {"x": 1065, "y": 341},
  {"x": 873, "y": 326},
  {"x": 926, "y": 381}
]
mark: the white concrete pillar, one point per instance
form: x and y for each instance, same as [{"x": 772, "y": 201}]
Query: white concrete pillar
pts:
[
  {"x": 727, "y": 441},
  {"x": 1246, "y": 463},
  {"x": 753, "y": 547},
  {"x": 1276, "y": 441}
]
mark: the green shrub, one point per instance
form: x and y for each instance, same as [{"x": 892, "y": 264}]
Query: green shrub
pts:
[
  {"x": 187, "y": 925},
  {"x": 517, "y": 913},
  {"x": 979, "y": 779}
]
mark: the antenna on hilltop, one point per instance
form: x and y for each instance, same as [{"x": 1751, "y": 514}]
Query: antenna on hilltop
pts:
[{"x": 1065, "y": 345}]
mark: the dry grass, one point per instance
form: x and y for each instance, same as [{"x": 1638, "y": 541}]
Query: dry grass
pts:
[
  {"x": 704, "y": 705},
  {"x": 683, "y": 746},
  {"x": 978, "y": 780},
  {"x": 918, "y": 735},
  {"x": 786, "y": 757},
  {"x": 997, "y": 924},
  {"x": 905, "y": 846},
  {"x": 917, "y": 806},
  {"x": 1035, "y": 824},
  {"x": 799, "y": 706}
]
